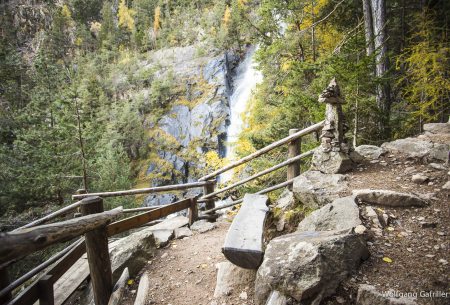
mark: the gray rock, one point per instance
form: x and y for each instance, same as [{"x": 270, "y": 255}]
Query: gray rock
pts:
[
  {"x": 182, "y": 232},
  {"x": 368, "y": 295},
  {"x": 203, "y": 226},
  {"x": 162, "y": 237},
  {"x": 440, "y": 152},
  {"x": 410, "y": 147},
  {"x": 232, "y": 278},
  {"x": 437, "y": 166},
  {"x": 331, "y": 162},
  {"x": 388, "y": 198},
  {"x": 341, "y": 214},
  {"x": 283, "y": 205},
  {"x": 133, "y": 252},
  {"x": 315, "y": 189},
  {"x": 437, "y": 128},
  {"x": 419, "y": 178},
  {"x": 308, "y": 265},
  {"x": 159, "y": 199},
  {"x": 356, "y": 157},
  {"x": 276, "y": 298},
  {"x": 446, "y": 186},
  {"x": 370, "y": 152},
  {"x": 171, "y": 223}
]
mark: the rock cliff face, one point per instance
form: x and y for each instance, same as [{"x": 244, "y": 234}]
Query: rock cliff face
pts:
[{"x": 197, "y": 120}]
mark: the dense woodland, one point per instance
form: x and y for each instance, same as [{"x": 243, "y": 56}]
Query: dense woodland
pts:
[{"x": 67, "y": 123}]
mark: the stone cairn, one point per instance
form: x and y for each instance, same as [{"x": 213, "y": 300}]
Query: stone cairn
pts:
[
  {"x": 332, "y": 137},
  {"x": 332, "y": 155}
]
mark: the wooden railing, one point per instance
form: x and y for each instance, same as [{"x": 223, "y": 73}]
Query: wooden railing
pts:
[{"x": 97, "y": 225}]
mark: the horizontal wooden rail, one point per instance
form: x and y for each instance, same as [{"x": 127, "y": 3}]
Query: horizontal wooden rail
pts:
[
  {"x": 264, "y": 150},
  {"x": 143, "y": 209},
  {"x": 264, "y": 191},
  {"x": 148, "y": 190},
  {"x": 51, "y": 216},
  {"x": 31, "y": 294},
  {"x": 140, "y": 219},
  {"x": 262, "y": 173},
  {"x": 18, "y": 244},
  {"x": 36, "y": 270}
]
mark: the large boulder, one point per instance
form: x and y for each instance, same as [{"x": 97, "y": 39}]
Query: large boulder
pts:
[
  {"x": 315, "y": 189},
  {"x": 132, "y": 252},
  {"x": 370, "y": 152},
  {"x": 308, "y": 266},
  {"x": 231, "y": 278},
  {"x": 412, "y": 147},
  {"x": 331, "y": 162},
  {"x": 388, "y": 198},
  {"x": 341, "y": 214}
]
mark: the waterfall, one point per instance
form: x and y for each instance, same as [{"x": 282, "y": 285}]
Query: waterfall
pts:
[{"x": 247, "y": 77}]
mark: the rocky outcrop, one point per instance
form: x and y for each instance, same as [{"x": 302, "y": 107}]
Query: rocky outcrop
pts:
[
  {"x": 432, "y": 145},
  {"x": 284, "y": 210},
  {"x": 315, "y": 189},
  {"x": 341, "y": 214},
  {"x": 195, "y": 125},
  {"x": 388, "y": 198},
  {"x": 308, "y": 266}
]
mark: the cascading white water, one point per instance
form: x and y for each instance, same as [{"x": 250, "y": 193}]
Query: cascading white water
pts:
[{"x": 247, "y": 77}]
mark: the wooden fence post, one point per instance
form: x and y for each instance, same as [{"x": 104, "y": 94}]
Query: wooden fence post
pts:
[
  {"x": 46, "y": 295},
  {"x": 193, "y": 211},
  {"x": 294, "y": 149},
  {"x": 98, "y": 254},
  {"x": 4, "y": 282},
  {"x": 208, "y": 189}
]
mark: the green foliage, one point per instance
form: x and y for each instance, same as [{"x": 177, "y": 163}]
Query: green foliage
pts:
[{"x": 424, "y": 83}]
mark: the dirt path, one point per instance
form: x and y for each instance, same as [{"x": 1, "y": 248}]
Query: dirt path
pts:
[{"x": 184, "y": 272}]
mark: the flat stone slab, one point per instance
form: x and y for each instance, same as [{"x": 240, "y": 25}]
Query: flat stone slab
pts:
[
  {"x": 388, "y": 198},
  {"x": 341, "y": 214},
  {"x": 243, "y": 244}
]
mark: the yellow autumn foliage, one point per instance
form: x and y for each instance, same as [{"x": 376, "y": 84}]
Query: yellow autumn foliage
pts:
[
  {"x": 125, "y": 16},
  {"x": 226, "y": 17},
  {"x": 157, "y": 20}
]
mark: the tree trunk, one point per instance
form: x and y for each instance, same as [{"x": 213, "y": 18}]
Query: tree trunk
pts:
[
  {"x": 368, "y": 27},
  {"x": 381, "y": 65}
]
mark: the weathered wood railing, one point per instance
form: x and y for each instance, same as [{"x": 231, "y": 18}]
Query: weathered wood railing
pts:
[{"x": 96, "y": 227}]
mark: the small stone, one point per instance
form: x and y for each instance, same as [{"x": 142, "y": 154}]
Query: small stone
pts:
[
  {"x": 409, "y": 249},
  {"x": 437, "y": 247},
  {"x": 360, "y": 229},
  {"x": 340, "y": 300},
  {"x": 426, "y": 225},
  {"x": 164, "y": 255},
  {"x": 440, "y": 233},
  {"x": 430, "y": 255},
  {"x": 437, "y": 166},
  {"x": 421, "y": 218},
  {"x": 446, "y": 186},
  {"x": 243, "y": 295},
  {"x": 419, "y": 178},
  {"x": 443, "y": 261}
]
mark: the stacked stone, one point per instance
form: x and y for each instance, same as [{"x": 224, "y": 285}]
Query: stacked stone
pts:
[{"x": 332, "y": 137}]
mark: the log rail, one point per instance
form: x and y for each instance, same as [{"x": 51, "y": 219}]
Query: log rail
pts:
[{"x": 97, "y": 225}]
